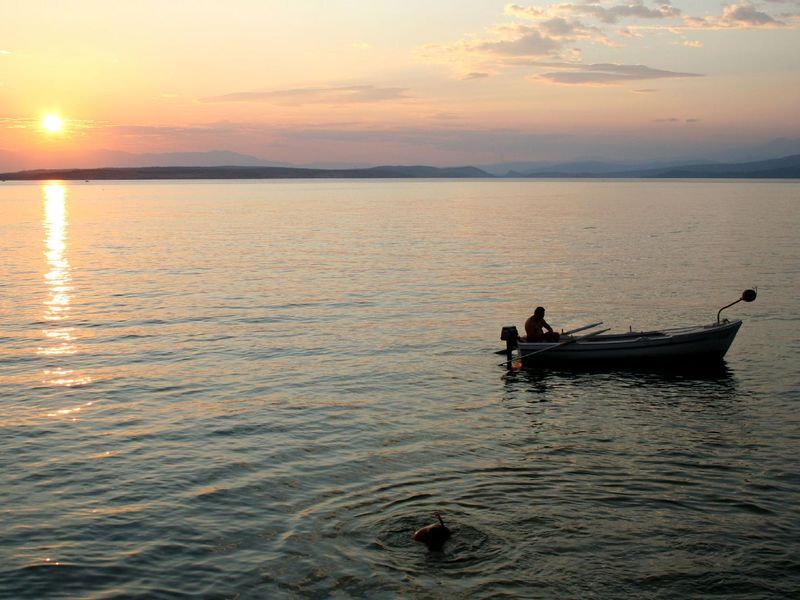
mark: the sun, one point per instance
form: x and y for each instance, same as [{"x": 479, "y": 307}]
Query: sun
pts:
[{"x": 52, "y": 123}]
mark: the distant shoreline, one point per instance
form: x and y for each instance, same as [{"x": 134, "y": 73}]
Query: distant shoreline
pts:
[
  {"x": 780, "y": 168},
  {"x": 232, "y": 172}
]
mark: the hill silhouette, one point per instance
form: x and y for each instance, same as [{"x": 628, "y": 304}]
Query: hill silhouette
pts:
[
  {"x": 787, "y": 167},
  {"x": 235, "y": 172}
]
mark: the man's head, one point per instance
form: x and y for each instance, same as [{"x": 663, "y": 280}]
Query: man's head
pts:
[{"x": 539, "y": 312}]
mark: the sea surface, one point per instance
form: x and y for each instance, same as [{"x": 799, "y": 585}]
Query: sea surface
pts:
[{"x": 261, "y": 389}]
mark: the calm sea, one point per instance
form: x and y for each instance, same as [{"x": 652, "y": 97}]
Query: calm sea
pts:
[{"x": 261, "y": 389}]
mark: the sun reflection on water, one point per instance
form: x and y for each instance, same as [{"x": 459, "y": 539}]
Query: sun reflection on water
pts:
[{"x": 60, "y": 337}]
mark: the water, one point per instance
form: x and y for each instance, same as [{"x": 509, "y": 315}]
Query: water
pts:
[{"x": 261, "y": 389}]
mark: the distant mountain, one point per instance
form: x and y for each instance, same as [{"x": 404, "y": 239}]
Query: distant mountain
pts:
[
  {"x": 780, "y": 168},
  {"x": 213, "y": 158},
  {"x": 586, "y": 167},
  {"x": 235, "y": 172},
  {"x": 333, "y": 165},
  {"x": 773, "y": 149},
  {"x": 14, "y": 160},
  {"x": 423, "y": 171},
  {"x": 787, "y": 167},
  {"x": 220, "y": 164},
  {"x": 577, "y": 168},
  {"x": 11, "y": 161},
  {"x": 594, "y": 168}
]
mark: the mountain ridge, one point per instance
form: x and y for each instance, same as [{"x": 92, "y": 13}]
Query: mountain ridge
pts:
[
  {"x": 787, "y": 167},
  {"x": 244, "y": 172},
  {"x": 15, "y": 161}
]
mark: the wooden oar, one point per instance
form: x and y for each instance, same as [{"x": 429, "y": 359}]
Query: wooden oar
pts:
[
  {"x": 570, "y": 332},
  {"x": 554, "y": 346}
]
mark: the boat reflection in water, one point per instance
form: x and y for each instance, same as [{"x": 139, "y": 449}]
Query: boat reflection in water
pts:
[
  {"x": 703, "y": 383},
  {"x": 59, "y": 334}
]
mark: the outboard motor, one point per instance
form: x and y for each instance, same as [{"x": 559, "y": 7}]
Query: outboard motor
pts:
[{"x": 509, "y": 335}]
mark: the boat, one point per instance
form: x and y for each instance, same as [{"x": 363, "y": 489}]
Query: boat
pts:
[{"x": 693, "y": 344}]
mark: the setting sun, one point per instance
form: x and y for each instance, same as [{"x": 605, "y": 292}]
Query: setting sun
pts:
[{"x": 52, "y": 123}]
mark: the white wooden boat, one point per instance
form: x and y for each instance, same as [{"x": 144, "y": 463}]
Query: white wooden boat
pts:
[
  {"x": 696, "y": 343},
  {"x": 687, "y": 345}
]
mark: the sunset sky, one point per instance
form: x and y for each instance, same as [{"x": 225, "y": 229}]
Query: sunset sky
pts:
[{"x": 403, "y": 82}]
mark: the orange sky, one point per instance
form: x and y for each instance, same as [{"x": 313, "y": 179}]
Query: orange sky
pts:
[{"x": 373, "y": 81}]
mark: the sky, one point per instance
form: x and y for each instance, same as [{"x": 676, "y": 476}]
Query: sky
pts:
[{"x": 444, "y": 82}]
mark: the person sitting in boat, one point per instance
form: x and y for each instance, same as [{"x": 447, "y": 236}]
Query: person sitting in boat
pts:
[{"x": 535, "y": 326}]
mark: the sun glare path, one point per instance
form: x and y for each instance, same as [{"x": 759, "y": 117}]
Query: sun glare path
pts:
[
  {"x": 59, "y": 336},
  {"x": 52, "y": 123}
]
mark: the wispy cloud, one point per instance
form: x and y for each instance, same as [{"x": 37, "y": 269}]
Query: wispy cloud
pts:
[
  {"x": 71, "y": 125},
  {"x": 735, "y": 16},
  {"x": 688, "y": 121},
  {"x": 635, "y": 9},
  {"x": 352, "y": 94},
  {"x": 475, "y": 75},
  {"x": 567, "y": 30},
  {"x": 558, "y": 31},
  {"x": 16, "y": 123},
  {"x": 526, "y": 41},
  {"x": 169, "y": 130},
  {"x": 4, "y": 52},
  {"x": 605, "y": 74}
]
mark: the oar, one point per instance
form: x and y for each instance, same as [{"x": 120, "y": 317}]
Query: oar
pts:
[
  {"x": 570, "y": 332},
  {"x": 572, "y": 341}
]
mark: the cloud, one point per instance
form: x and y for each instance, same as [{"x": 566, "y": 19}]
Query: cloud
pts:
[
  {"x": 735, "y": 16},
  {"x": 688, "y": 121},
  {"x": 16, "y": 122},
  {"x": 614, "y": 14},
  {"x": 566, "y": 30},
  {"x": 530, "y": 42},
  {"x": 627, "y": 32},
  {"x": 572, "y": 30},
  {"x": 353, "y": 94},
  {"x": 558, "y": 31},
  {"x": 635, "y": 9},
  {"x": 179, "y": 133},
  {"x": 475, "y": 75},
  {"x": 605, "y": 74},
  {"x": 515, "y": 10},
  {"x": 71, "y": 125},
  {"x": 746, "y": 15}
]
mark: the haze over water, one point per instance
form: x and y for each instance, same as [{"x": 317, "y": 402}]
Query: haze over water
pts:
[{"x": 261, "y": 389}]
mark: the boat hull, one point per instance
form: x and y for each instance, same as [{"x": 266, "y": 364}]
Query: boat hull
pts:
[{"x": 705, "y": 344}]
